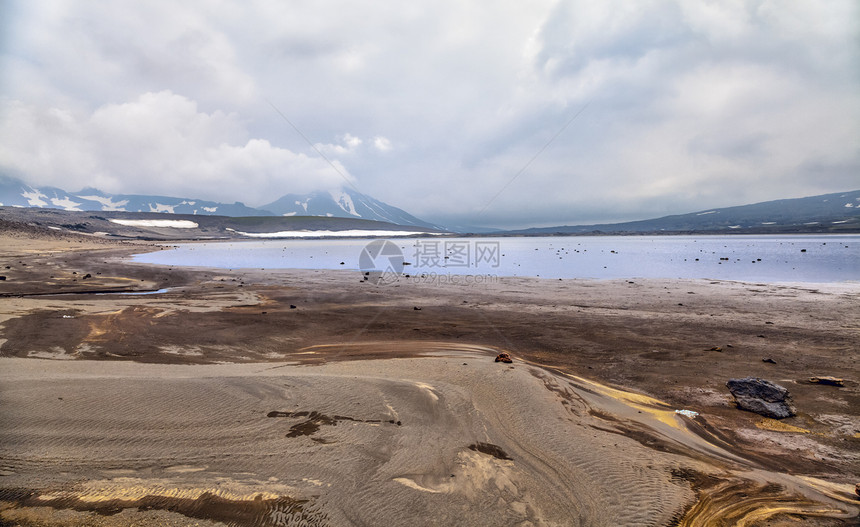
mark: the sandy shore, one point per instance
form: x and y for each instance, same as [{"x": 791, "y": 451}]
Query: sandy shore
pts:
[{"x": 312, "y": 398}]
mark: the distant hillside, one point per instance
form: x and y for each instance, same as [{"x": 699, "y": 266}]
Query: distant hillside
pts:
[
  {"x": 159, "y": 226},
  {"x": 838, "y": 212}
]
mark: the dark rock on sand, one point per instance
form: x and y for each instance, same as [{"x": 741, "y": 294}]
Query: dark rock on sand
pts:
[
  {"x": 831, "y": 381},
  {"x": 769, "y": 360},
  {"x": 762, "y": 397},
  {"x": 504, "y": 357}
]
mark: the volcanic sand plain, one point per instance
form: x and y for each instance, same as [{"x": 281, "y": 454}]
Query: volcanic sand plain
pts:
[{"x": 296, "y": 397}]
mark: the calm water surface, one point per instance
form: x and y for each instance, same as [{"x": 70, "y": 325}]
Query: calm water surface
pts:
[{"x": 791, "y": 258}]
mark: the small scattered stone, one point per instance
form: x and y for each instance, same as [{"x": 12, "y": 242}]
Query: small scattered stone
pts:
[
  {"x": 716, "y": 348},
  {"x": 292, "y": 306},
  {"x": 769, "y": 360},
  {"x": 830, "y": 381},
  {"x": 416, "y": 308}
]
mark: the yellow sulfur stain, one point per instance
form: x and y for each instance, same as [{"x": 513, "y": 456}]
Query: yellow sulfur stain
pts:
[
  {"x": 777, "y": 426},
  {"x": 838, "y": 491},
  {"x": 654, "y": 407}
]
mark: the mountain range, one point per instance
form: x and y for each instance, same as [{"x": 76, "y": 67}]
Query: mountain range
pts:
[
  {"x": 342, "y": 203},
  {"x": 838, "y": 212}
]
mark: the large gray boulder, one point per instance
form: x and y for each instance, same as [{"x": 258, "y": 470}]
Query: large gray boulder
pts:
[{"x": 762, "y": 397}]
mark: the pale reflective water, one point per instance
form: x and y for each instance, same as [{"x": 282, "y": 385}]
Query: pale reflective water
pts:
[{"x": 794, "y": 258}]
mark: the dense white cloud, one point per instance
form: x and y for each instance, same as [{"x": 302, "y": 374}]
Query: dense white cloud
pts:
[
  {"x": 436, "y": 106},
  {"x": 157, "y": 144}
]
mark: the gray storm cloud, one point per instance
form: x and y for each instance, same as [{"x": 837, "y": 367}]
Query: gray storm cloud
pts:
[{"x": 435, "y": 107}]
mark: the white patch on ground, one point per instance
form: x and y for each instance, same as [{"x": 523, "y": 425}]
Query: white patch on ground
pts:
[
  {"x": 107, "y": 203},
  {"x": 55, "y": 353},
  {"x": 304, "y": 204},
  {"x": 34, "y": 198},
  {"x": 837, "y": 222},
  {"x": 734, "y": 226},
  {"x": 412, "y": 485},
  {"x": 289, "y": 214},
  {"x": 849, "y": 205},
  {"x": 162, "y": 208},
  {"x": 428, "y": 389},
  {"x": 354, "y": 233},
  {"x": 193, "y": 351},
  {"x": 210, "y": 209},
  {"x": 768, "y": 223},
  {"x": 184, "y": 469},
  {"x": 176, "y": 224},
  {"x": 709, "y": 212},
  {"x": 847, "y": 425}
]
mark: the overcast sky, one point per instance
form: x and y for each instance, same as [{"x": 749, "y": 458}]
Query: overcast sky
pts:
[{"x": 438, "y": 107}]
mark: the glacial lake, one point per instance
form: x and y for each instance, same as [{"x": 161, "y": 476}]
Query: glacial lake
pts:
[{"x": 788, "y": 258}]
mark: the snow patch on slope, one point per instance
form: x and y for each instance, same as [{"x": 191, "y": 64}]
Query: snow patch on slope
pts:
[
  {"x": 65, "y": 203},
  {"x": 344, "y": 201},
  {"x": 34, "y": 198},
  {"x": 176, "y": 224},
  {"x": 107, "y": 202},
  {"x": 352, "y": 233},
  {"x": 162, "y": 208}
]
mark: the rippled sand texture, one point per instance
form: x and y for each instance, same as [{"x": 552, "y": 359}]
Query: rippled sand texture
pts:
[{"x": 448, "y": 439}]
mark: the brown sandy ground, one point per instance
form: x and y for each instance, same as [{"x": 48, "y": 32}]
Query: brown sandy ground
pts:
[{"x": 648, "y": 337}]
